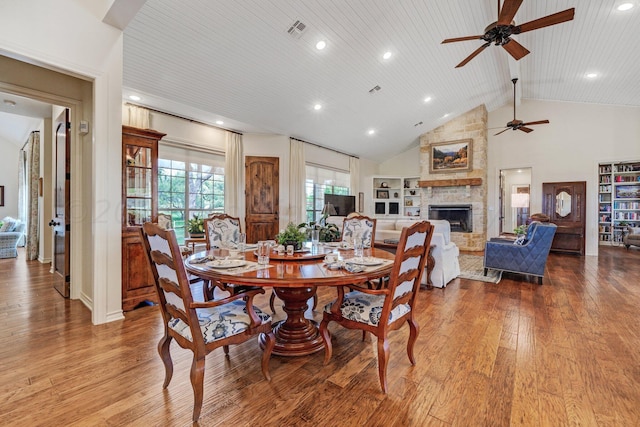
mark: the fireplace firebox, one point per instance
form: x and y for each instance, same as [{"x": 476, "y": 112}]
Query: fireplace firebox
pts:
[{"x": 459, "y": 216}]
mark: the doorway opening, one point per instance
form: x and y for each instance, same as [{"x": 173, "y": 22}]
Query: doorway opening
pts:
[{"x": 515, "y": 198}]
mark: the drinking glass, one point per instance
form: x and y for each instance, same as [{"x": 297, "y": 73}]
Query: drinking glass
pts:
[
  {"x": 242, "y": 243},
  {"x": 358, "y": 247},
  {"x": 263, "y": 252},
  {"x": 315, "y": 237}
]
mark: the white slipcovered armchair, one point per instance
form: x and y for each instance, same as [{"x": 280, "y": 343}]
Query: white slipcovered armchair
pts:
[{"x": 445, "y": 253}]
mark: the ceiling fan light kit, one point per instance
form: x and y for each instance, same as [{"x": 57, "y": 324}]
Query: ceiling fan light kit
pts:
[{"x": 500, "y": 32}]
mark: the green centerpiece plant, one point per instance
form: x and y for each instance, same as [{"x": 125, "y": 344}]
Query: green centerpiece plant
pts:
[
  {"x": 328, "y": 232},
  {"x": 292, "y": 235},
  {"x": 195, "y": 226}
]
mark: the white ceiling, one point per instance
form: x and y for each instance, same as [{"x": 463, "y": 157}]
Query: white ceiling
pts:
[
  {"x": 234, "y": 61},
  {"x": 21, "y": 118}
]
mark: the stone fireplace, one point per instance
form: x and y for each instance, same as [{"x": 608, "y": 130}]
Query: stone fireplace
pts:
[{"x": 459, "y": 191}]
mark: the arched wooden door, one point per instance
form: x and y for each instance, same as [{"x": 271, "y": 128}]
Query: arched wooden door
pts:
[{"x": 262, "y": 197}]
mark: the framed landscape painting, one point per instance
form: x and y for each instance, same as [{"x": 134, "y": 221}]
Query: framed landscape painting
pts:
[{"x": 451, "y": 156}]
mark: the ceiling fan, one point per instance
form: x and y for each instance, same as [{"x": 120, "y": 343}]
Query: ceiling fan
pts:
[
  {"x": 516, "y": 124},
  {"x": 500, "y": 32}
]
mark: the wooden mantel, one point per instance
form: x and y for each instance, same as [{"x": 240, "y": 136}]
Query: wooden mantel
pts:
[{"x": 450, "y": 182}]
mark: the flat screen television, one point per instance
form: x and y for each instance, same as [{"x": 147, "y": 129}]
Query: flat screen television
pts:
[{"x": 343, "y": 205}]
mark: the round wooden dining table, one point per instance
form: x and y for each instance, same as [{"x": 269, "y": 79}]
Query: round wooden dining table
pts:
[{"x": 294, "y": 279}]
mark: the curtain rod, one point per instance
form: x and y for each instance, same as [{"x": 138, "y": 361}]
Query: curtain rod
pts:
[
  {"x": 27, "y": 141},
  {"x": 183, "y": 118},
  {"x": 326, "y": 148}
]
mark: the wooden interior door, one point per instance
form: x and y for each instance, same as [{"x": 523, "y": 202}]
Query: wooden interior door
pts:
[
  {"x": 565, "y": 204},
  {"x": 60, "y": 223},
  {"x": 262, "y": 197}
]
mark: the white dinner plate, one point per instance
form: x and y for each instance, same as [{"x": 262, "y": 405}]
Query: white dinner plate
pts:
[
  {"x": 368, "y": 261},
  {"x": 332, "y": 244},
  {"x": 226, "y": 263}
]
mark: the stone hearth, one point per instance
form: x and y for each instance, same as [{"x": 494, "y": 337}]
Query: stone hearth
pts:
[{"x": 459, "y": 188}]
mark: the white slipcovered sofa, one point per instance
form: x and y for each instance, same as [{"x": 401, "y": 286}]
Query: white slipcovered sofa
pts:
[{"x": 445, "y": 252}]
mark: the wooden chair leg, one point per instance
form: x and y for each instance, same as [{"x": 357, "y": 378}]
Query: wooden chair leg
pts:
[
  {"x": 414, "y": 330},
  {"x": 383, "y": 358},
  {"x": 326, "y": 338},
  {"x": 315, "y": 301},
  {"x": 165, "y": 355},
  {"x": 197, "y": 383},
  {"x": 270, "y": 342},
  {"x": 226, "y": 349}
]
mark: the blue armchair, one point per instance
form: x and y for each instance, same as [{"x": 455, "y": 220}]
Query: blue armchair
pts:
[
  {"x": 528, "y": 258},
  {"x": 9, "y": 240}
]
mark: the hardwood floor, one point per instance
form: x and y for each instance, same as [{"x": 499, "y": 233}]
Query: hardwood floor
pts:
[{"x": 512, "y": 353}]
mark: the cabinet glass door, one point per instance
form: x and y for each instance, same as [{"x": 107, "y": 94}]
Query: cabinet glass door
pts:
[{"x": 138, "y": 184}]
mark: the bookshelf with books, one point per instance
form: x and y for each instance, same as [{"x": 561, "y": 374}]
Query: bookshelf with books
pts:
[{"x": 618, "y": 200}]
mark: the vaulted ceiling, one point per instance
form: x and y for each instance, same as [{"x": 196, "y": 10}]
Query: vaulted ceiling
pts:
[{"x": 235, "y": 61}]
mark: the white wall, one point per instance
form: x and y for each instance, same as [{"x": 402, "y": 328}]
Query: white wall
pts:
[
  {"x": 578, "y": 137},
  {"x": 9, "y": 178},
  {"x": 404, "y": 164}
]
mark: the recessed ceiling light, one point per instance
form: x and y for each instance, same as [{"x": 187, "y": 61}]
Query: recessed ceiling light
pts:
[
  {"x": 9, "y": 103},
  {"x": 445, "y": 116},
  {"x": 386, "y": 55},
  {"x": 591, "y": 75},
  {"x": 625, "y": 6},
  {"x": 317, "y": 107},
  {"x": 427, "y": 99},
  {"x": 371, "y": 132},
  {"x": 219, "y": 122},
  {"x": 321, "y": 45},
  {"x": 134, "y": 97}
]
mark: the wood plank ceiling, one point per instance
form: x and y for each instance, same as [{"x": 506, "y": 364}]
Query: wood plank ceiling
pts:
[{"x": 235, "y": 61}]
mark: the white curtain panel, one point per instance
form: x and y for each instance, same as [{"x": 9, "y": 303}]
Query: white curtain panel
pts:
[
  {"x": 234, "y": 176},
  {"x": 136, "y": 116},
  {"x": 354, "y": 175},
  {"x": 297, "y": 177}
]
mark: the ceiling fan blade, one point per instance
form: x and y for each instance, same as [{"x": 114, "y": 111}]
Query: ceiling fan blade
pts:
[
  {"x": 515, "y": 49},
  {"x": 509, "y": 10},
  {"x": 539, "y": 122},
  {"x": 556, "y": 18},
  {"x": 501, "y": 132},
  {"x": 524, "y": 129},
  {"x": 473, "y": 55},
  {"x": 461, "y": 39}
]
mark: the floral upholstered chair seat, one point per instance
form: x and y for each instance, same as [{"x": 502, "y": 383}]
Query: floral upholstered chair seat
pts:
[
  {"x": 220, "y": 322},
  {"x": 366, "y": 308}
]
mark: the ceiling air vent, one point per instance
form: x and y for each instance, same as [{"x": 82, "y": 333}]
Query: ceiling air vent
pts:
[{"x": 296, "y": 29}]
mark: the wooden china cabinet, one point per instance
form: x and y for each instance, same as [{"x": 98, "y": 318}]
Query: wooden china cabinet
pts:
[
  {"x": 565, "y": 204},
  {"x": 139, "y": 205}
]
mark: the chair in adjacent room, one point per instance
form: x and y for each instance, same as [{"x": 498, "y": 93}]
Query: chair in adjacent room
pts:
[
  {"x": 200, "y": 327},
  {"x": 631, "y": 237},
  {"x": 528, "y": 257},
  {"x": 380, "y": 311},
  {"x": 11, "y": 236}
]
